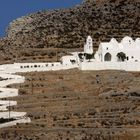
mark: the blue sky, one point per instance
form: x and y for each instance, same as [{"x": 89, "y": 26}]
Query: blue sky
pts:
[{"x": 12, "y": 9}]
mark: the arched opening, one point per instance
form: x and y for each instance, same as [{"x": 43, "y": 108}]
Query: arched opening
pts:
[{"x": 107, "y": 57}]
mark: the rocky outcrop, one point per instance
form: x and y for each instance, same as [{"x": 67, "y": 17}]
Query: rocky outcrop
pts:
[{"x": 68, "y": 28}]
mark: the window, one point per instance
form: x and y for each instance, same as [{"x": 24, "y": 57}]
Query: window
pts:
[{"x": 127, "y": 58}]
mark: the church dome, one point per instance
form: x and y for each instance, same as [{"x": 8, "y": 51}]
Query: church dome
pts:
[
  {"x": 127, "y": 41},
  {"x": 114, "y": 42},
  {"x": 137, "y": 41}
]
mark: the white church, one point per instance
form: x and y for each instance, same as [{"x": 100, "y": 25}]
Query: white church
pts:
[
  {"x": 124, "y": 55},
  {"x": 113, "y": 55},
  {"x": 113, "y": 51}
]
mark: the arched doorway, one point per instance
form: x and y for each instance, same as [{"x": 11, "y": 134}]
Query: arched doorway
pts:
[{"x": 107, "y": 57}]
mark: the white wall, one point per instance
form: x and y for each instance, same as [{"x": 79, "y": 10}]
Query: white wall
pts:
[
  {"x": 30, "y": 67},
  {"x": 66, "y": 60},
  {"x": 11, "y": 79},
  {"x": 8, "y": 92},
  {"x": 127, "y": 66},
  {"x": 5, "y": 104},
  {"x": 22, "y": 120},
  {"x": 12, "y": 114}
]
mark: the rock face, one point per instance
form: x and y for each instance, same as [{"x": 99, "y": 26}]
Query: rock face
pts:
[{"x": 68, "y": 28}]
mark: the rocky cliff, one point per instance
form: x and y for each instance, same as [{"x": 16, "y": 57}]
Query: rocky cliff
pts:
[{"x": 32, "y": 35}]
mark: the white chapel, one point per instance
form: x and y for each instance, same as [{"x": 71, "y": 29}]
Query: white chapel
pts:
[
  {"x": 112, "y": 55},
  {"x": 114, "y": 51}
]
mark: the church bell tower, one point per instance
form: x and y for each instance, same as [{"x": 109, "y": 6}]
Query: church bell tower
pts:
[{"x": 88, "y": 47}]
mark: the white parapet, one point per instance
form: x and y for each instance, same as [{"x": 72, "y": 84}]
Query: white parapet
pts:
[
  {"x": 126, "y": 66},
  {"x": 5, "y": 104},
  {"x": 32, "y": 67},
  {"x": 7, "y": 79},
  {"x": 12, "y": 114},
  {"x": 6, "y": 71},
  {"x": 12, "y": 123},
  {"x": 7, "y": 92}
]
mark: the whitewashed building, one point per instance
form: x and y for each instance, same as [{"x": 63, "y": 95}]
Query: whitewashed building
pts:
[
  {"x": 113, "y": 55},
  {"x": 109, "y": 51}
]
